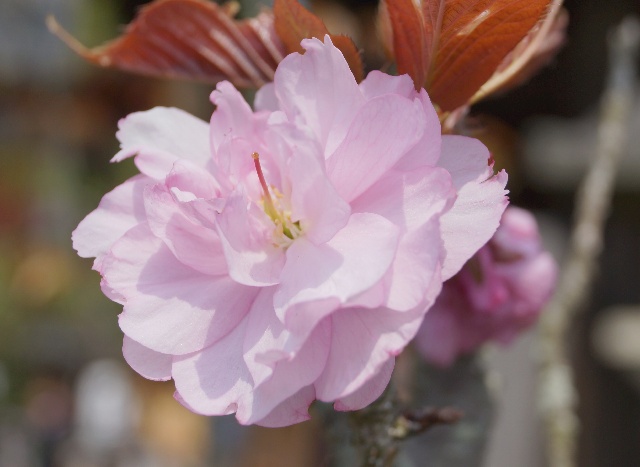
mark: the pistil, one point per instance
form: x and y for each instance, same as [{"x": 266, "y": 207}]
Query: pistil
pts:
[
  {"x": 281, "y": 219},
  {"x": 269, "y": 207}
]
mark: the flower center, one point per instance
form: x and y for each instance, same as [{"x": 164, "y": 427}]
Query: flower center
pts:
[{"x": 286, "y": 230}]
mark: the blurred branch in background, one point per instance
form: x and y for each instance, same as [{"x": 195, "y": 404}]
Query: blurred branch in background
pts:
[{"x": 558, "y": 398}]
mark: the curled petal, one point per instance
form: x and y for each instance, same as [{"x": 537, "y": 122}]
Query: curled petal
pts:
[
  {"x": 119, "y": 210},
  {"x": 369, "y": 392},
  {"x": 482, "y": 199},
  {"x": 148, "y": 363},
  {"x": 159, "y": 137}
]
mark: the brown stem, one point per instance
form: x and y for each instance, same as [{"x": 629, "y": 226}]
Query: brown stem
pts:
[
  {"x": 412, "y": 423},
  {"x": 372, "y": 435},
  {"x": 558, "y": 398}
]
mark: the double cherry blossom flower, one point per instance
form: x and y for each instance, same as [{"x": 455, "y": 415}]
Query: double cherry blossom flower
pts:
[
  {"x": 497, "y": 295},
  {"x": 276, "y": 257}
]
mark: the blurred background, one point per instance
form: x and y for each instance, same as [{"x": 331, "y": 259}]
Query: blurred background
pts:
[{"x": 67, "y": 398}]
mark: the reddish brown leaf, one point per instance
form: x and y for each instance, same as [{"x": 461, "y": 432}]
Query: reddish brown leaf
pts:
[
  {"x": 535, "y": 51},
  {"x": 409, "y": 38},
  {"x": 191, "y": 39},
  {"x": 384, "y": 30},
  {"x": 293, "y": 23},
  {"x": 467, "y": 40}
]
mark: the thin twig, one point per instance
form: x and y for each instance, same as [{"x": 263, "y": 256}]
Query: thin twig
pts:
[
  {"x": 414, "y": 422},
  {"x": 557, "y": 393}
]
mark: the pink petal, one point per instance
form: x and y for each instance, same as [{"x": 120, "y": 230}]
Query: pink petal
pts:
[
  {"x": 233, "y": 164},
  {"x": 110, "y": 293},
  {"x": 439, "y": 338},
  {"x": 212, "y": 381},
  {"x": 284, "y": 143},
  {"x": 148, "y": 363},
  {"x": 194, "y": 180},
  {"x": 415, "y": 278},
  {"x": 193, "y": 244},
  {"x": 293, "y": 410},
  {"x": 369, "y": 392},
  {"x": 374, "y": 297},
  {"x": 316, "y": 278},
  {"x": 265, "y": 337},
  {"x": 427, "y": 151},
  {"x": 233, "y": 117},
  {"x": 466, "y": 159},
  {"x": 408, "y": 199},
  {"x": 383, "y": 131},
  {"x": 532, "y": 284},
  {"x": 169, "y": 307},
  {"x": 362, "y": 342},
  {"x": 161, "y": 136},
  {"x": 118, "y": 211},
  {"x": 315, "y": 201},
  {"x": 266, "y": 98},
  {"x": 518, "y": 232},
  {"x": 246, "y": 236},
  {"x": 482, "y": 199},
  {"x": 413, "y": 201},
  {"x": 378, "y": 83},
  {"x": 289, "y": 376},
  {"x": 321, "y": 71}
]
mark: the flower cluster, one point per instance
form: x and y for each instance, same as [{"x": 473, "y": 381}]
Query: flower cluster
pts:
[
  {"x": 498, "y": 293},
  {"x": 276, "y": 257}
]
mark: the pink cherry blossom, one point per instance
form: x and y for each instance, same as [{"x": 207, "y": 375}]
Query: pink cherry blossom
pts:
[
  {"x": 498, "y": 294},
  {"x": 288, "y": 254}
]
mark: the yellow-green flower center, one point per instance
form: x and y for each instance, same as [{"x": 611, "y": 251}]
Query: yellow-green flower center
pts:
[{"x": 280, "y": 217}]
